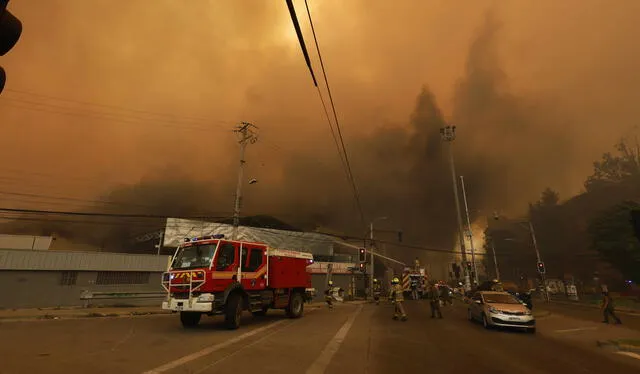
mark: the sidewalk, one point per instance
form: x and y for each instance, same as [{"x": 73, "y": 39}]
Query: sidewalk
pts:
[
  {"x": 562, "y": 327},
  {"x": 7, "y": 315},
  {"x": 591, "y": 303}
]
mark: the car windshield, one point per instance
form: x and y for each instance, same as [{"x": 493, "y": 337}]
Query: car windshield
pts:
[
  {"x": 500, "y": 298},
  {"x": 195, "y": 256}
]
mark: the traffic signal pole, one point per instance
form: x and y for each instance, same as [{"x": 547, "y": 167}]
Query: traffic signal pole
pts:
[{"x": 542, "y": 273}]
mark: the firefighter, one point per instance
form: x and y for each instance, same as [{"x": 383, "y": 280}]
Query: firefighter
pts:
[
  {"x": 397, "y": 299},
  {"x": 434, "y": 301},
  {"x": 328, "y": 295},
  {"x": 414, "y": 288},
  {"x": 377, "y": 290}
]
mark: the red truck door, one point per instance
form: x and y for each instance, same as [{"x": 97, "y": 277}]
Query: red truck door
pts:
[
  {"x": 225, "y": 265},
  {"x": 254, "y": 266}
]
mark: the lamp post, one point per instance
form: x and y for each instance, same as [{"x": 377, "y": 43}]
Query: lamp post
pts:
[
  {"x": 371, "y": 251},
  {"x": 529, "y": 227},
  {"x": 448, "y": 134}
]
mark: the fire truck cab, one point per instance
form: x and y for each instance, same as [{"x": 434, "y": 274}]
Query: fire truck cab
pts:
[{"x": 215, "y": 276}]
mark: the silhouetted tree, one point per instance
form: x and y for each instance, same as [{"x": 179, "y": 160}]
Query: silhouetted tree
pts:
[
  {"x": 616, "y": 168},
  {"x": 612, "y": 236}
]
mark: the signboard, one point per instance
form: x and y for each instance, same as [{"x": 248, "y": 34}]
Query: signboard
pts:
[{"x": 336, "y": 267}]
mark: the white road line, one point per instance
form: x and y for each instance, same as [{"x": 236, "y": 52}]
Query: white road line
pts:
[
  {"x": 194, "y": 356},
  {"x": 578, "y": 329},
  {"x": 630, "y": 354},
  {"x": 324, "y": 359}
]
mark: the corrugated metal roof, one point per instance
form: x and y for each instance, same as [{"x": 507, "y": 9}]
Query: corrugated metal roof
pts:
[
  {"x": 81, "y": 261},
  {"x": 177, "y": 229}
]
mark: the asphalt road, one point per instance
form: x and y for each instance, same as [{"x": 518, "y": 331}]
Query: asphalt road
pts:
[{"x": 349, "y": 339}]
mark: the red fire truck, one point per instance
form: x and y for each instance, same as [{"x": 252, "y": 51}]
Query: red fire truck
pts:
[{"x": 215, "y": 276}]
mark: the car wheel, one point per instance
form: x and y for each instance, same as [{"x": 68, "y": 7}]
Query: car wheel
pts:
[{"x": 485, "y": 322}]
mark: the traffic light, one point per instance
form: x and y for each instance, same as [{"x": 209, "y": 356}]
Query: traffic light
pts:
[
  {"x": 362, "y": 255},
  {"x": 362, "y": 267},
  {"x": 10, "y": 30},
  {"x": 541, "y": 268}
]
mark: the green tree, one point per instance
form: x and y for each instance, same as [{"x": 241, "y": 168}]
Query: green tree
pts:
[
  {"x": 612, "y": 236},
  {"x": 624, "y": 166}
]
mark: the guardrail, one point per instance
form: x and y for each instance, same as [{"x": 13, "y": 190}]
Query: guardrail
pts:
[{"x": 87, "y": 296}]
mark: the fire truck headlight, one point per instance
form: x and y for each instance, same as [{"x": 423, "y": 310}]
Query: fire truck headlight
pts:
[{"x": 205, "y": 298}]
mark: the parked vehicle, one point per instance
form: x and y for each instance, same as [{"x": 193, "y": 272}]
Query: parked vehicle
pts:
[{"x": 214, "y": 276}]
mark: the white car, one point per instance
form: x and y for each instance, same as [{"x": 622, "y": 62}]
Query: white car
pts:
[{"x": 500, "y": 309}]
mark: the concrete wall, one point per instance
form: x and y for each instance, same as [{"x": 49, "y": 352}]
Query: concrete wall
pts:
[{"x": 39, "y": 289}]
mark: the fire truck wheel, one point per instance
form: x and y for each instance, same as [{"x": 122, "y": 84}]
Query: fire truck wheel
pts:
[
  {"x": 296, "y": 306},
  {"x": 190, "y": 319},
  {"x": 233, "y": 311}
]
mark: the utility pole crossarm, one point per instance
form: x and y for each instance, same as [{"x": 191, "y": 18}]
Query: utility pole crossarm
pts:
[{"x": 246, "y": 136}]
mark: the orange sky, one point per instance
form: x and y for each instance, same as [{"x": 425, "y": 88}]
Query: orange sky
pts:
[{"x": 206, "y": 65}]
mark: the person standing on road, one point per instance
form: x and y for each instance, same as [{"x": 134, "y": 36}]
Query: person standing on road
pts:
[
  {"x": 377, "y": 290},
  {"x": 434, "y": 301},
  {"x": 608, "y": 308},
  {"x": 397, "y": 299},
  {"x": 414, "y": 289},
  {"x": 328, "y": 295}
]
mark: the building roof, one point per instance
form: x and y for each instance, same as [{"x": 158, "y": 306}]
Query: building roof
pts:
[{"x": 177, "y": 229}]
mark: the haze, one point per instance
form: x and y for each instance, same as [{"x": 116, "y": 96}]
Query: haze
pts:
[{"x": 538, "y": 90}]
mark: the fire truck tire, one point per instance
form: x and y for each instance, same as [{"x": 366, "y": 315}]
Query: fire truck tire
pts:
[
  {"x": 190, "y": 319},
  {"x": 233, "y": 311},
  {"x": 296, "y": 306}
]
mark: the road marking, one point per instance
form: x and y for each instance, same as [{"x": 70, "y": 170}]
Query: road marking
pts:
[
  {"x": 324, "y": 359},
  {"x": 578, "y": 329},
  {"x": 194, "y": 356},
  {"x": 630, "y": 354}
]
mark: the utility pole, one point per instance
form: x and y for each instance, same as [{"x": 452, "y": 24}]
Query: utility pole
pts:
[
  {"x": 246, "y": 136},
  {"x": 470, "y": 233},
  {"x": 448, "y": 134},
  {"x": 495, "y": 260},
  {"x": 159, "y": 245},
  {"x": 372, "y": 262},
  {"x": 535, "y": 246}
]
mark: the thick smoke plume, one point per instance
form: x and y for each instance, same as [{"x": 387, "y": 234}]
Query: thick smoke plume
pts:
[
  {"x": 401, "y": 173},
  {"x": 534, "y": 106}
]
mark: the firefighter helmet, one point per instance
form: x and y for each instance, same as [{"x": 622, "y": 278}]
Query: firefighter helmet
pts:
[
  {"x": 395, "y": 280},
  {"x": 375, "y": 281},
  {"x": 330, "y": 283}
]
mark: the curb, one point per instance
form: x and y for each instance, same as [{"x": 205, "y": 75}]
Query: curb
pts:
[
  {"x": 621, "y": 310},
  {"x": 81, "y": 315},
  {"x": 612, "y": 345}
]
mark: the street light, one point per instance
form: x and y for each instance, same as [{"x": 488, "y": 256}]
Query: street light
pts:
[
  {"x": 371, "y": 239},
  {"x": 495, "y": 259},
  {"x": 448, "y": 134},
  {"x": 538, "y": 257}
]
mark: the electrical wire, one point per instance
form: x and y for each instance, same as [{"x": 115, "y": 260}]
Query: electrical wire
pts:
[{"x": 341, "y": 150}]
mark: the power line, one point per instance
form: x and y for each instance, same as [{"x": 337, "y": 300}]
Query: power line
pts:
[
  {"x": 335, "y": 117},
  {"x": 104, "y": 214},
  {"x": 341, "y": 151}
]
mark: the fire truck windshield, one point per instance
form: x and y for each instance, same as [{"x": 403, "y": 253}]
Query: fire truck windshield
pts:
[{"x": 195, "y": 256}]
